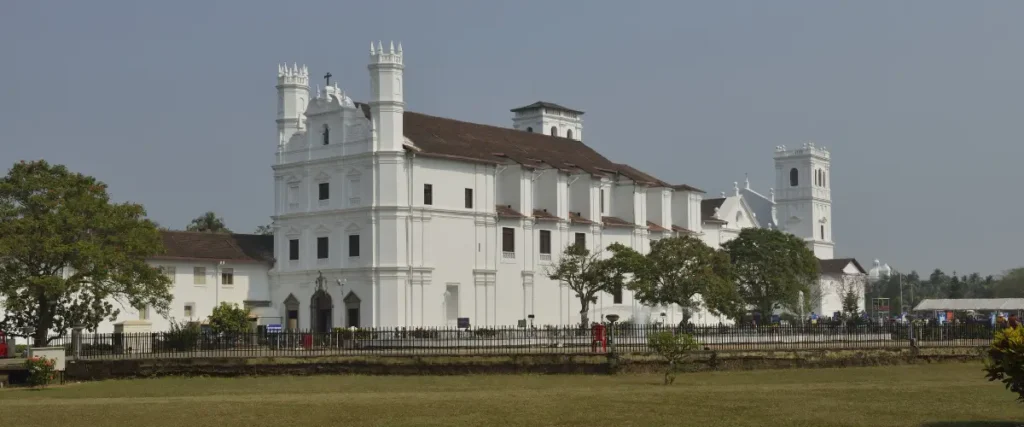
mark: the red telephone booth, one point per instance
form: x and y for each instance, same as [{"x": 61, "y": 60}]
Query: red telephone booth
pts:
[{"x": 597, "y": 335}]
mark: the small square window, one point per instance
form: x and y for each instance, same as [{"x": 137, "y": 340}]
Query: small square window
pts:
[
  {"x": 227, "y": 276},
  {"x": 199, "y": 275},
  {"x": 169, "y": 272},
  {"x": 189, "y": 310}
]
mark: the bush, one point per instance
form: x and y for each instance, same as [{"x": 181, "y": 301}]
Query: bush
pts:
[
  {"x": 359, "y": 334},
  {"x": 1006, "y": 359},
  {"x": 423, "y": 333},
  {"x": 229, "y": 319},
  {"x": 182, "y": 336},
  {"x": 40, "y": 371},
  {"x": 675, "y": 349},
  {"x": 485, "y": 333}
]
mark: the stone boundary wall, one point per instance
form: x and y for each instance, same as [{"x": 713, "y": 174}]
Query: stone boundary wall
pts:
[{"x": 89, "y": 370}]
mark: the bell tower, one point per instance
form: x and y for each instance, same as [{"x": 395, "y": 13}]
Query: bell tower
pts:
[
  {"x": 387, "y": 104},
  {"x": 292, "y": 98},
  {"x": 803, "y": 195}
]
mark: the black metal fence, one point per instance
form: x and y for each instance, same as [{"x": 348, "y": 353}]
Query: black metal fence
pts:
[{"x": 626, "y": 338}]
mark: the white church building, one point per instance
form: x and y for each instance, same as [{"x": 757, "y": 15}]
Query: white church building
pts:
[{"x": 416, "y": 220}]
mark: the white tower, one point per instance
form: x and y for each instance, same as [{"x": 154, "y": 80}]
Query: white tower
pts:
[
  {"x": 387, "y": 104},
  {"x": 550, "y": 119},
  {"x": 292, "y": 95},
  {"x": 803, "y": 196}
]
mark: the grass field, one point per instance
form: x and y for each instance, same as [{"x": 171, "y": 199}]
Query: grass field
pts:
[{"x": 938, "y": 395}]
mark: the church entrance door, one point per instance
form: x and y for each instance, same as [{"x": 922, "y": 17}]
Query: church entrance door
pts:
[{"x": 322, "y": 309}]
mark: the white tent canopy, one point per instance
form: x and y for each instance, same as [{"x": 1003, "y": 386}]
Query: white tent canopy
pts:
[{"x": 977, "y": 304}]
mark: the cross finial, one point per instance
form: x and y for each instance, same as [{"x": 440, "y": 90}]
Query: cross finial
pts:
[{"x": 328, "y": 78}]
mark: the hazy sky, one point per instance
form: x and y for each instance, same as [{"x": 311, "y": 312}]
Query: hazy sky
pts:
[{"x": 173, "y": 103}]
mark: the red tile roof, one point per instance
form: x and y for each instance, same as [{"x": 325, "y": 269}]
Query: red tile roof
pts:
[
  {"x": 544, "y": 215},
  {"x": 189, "y": 245},
  {"x": 577, "y": 218},
  {"x": 614, "y": 221},
  {"x": 684, "y": 187},
  {"x": 682, "y": 229},
  {"x": 506, "y": 211},
  {"x": 655, "y": 227}
]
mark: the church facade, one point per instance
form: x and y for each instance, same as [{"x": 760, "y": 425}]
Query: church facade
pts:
[{"x": 385, "y": 217}]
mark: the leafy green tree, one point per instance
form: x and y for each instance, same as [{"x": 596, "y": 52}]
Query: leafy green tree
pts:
[
  {"x": 1005, "y": 361},
  {"x": 265, "y": 230},
  {"x": 1011, "y": 285},
  {"x": 675, "y": 271},
  {"x": 586, "y": 275},
  {"x": 229, "y": 319},
  {"x": 771, "y": 268},
  {"x": 208, "y": 223},
  {"x": 66, "y": 252},
  {"x": 675, "y": 349}
]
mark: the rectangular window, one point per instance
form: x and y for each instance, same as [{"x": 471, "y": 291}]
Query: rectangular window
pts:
[
  {"x": 144, "y": 313},
  {"x": 227, "y": 276},
  {"x": 199, "y": 275},
  {"x": 189, "y": 309},
  {"x": 581, "y": 239},
  {"x": 169, "y": 272},
  {"x": 469, "y": 198},
  {"x": 617, "y": 295},
  {"x": 428, "y": 194},
  {"x": 508, "y": 240},
  {"x": 325, "y": 190},
  {"x": 545, "y": 242},
  {"x": 293, "y": 249},
  {"x": 321, "y": 248},
  {"x": 602, "y": 201},
  {"x": 353, "y": 245}
]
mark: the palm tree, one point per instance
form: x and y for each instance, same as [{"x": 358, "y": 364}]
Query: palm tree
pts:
[
  {"x": 265, "y": 230},
  {"x": 208, "y": 223}
]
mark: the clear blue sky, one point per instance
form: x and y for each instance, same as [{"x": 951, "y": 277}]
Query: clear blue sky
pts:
[{"x": 173, "y": 103}]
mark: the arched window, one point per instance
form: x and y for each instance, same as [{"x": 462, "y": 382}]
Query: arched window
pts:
[
  {"x": 554, "y": 131},
  {"x": 794, "y": 177},
  {"x": 529, "y": 129},
  {"x": 568, "y": 134},
  {"x": 327, "y": 134}
]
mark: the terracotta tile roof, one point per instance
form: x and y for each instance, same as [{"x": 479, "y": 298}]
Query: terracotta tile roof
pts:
[
  {"x": 655, "y": 227},
  {"x": 614, "y": 221},
  {"x": 506, "y": 211},
  {"x": 577, "y": 218},
  {"x": 682, "y": 229},
  {"x": 188, "y": 245},
  {"x": 836, "y": 266},
  {"x": 544, "y": 104},
  {"x": 640, "y": 177},
  {"x": 707, "y": 209},
  {"x": 544, "y": 215},
  {"x": 684, "y": 187},
  {"x": 448, "y": 138}
]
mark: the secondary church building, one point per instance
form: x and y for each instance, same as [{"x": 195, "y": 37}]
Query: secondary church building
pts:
[{"x": 386, "y": 217}]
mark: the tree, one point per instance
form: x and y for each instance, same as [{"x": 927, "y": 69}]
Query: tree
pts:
[
  {"x": 675, "y": 271},
  {"x": 66, "y": 252},
  {"x": 849, "y": 290},
  {"x": 1011, "y": 285},
  {"x": 585, "y": 274},
  {"x": 1005, "y": 361},
  {"x": 675, "y": 349},
  {"x": 771, "y": 268},
  {"x": 229, "y": 319},
  {"x": 265, "y": 230},
  {"x": 208, "y": 223}
]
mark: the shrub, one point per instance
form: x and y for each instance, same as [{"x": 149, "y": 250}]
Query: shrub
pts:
[
  {"x": 182, "y": 336},
  {"x": 423, "y": 333},
  {"x": 40, "y": 371},
  {"x": 229, "y": 319},
  {"x": 485, "y": 332},
  {"x": 1006, "y": 359},
  {"x": 359, "y": 334},
  {"x": 675, "y": 349}
]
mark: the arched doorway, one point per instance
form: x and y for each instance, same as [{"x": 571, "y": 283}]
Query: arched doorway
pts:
[
  {"x": 352, "y": 303},
  {"x": 321, "y": 309}
]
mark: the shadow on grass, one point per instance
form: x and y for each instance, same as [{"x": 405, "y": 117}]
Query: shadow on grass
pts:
[{"x": 974, "y": 424}]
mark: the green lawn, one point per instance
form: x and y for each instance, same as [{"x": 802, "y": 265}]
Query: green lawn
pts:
[{"x": 939, "y": 395}]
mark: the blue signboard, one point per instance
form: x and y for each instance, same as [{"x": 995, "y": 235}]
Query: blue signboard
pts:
[
  {"x": 463, "y": 323},
  {"x": 775, "y": 318},
  {"x": 274, "y": 328}
]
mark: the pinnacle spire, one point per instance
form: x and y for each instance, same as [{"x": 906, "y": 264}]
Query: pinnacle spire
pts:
[
  {"x": 392, "y": 47},
  {"x": 399, "y": 48},
  {"x": 380, "y": 47},
  {"x": 372, "y": 50}
]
